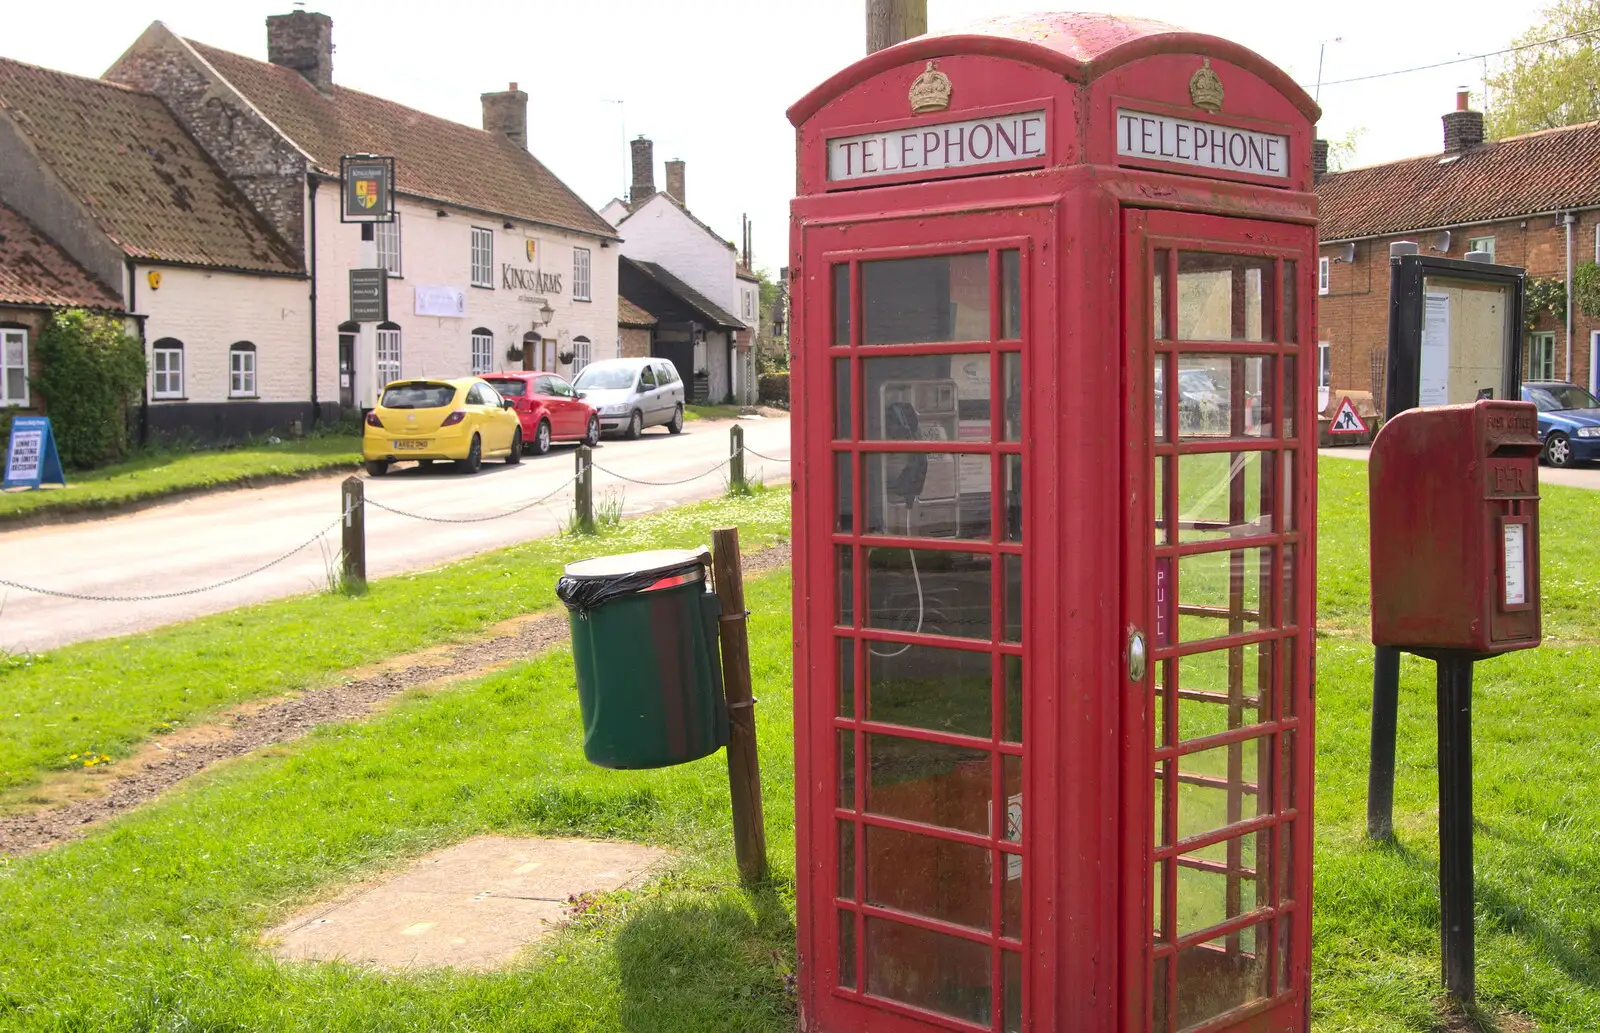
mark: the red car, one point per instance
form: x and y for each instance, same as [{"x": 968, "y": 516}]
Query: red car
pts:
[{"x": 550, "y": 410}]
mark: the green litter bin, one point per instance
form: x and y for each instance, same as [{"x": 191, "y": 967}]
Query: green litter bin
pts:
[{"x": 644, "y": 638}]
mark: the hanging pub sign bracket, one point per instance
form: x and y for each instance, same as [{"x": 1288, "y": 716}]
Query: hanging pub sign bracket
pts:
[{"x": 366, "y": 188}]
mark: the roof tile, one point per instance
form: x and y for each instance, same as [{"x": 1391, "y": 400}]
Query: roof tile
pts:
[
  {"x": 707, "y": 308},
  {"x": 435, "y": 158},
  {"x": 34, "y": 271},
  {"x": 148, "y": 184},
  {"x": 1520, "y": 175},
  {"x": 629, "y": 314}
]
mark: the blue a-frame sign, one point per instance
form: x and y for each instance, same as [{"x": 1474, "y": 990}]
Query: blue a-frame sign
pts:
[{"x": 31, "y": 457}]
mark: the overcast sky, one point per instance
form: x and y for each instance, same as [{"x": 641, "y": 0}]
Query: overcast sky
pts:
[{"x": 709, "y": 80}]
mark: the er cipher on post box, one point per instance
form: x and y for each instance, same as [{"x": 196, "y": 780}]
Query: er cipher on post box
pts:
[
  {"x": 1455, "y": 529},
  {"x": 1054, "y": 355}
]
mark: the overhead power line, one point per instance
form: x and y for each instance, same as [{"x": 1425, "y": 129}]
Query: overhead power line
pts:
[{"x": 1458, "y": 60}]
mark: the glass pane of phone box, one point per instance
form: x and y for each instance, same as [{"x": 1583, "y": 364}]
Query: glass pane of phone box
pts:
[{"x": 929, "y": 398}]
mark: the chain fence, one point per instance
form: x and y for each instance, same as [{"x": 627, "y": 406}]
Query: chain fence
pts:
[{"x": 588, "y": 467}]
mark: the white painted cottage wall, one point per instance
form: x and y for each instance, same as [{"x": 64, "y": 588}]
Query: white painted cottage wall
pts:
[
  {"x": 437, "y": 252},
  {"x": 209, "y": 311}
]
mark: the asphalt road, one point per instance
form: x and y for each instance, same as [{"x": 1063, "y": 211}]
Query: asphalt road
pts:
[
  {"x": 201, "y": 541},
  {"x": 1572, "y": 476}
]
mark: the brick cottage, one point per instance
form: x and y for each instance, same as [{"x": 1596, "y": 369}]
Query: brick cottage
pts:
[{"x": 1531, "y": 201}]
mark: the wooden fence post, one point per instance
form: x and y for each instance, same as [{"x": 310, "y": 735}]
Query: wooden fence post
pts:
[
  {"x": 744, "y": 763},
  {"x": 736, "y": 481},
  {"x": 583, "y": 493},
  {"x": 353, "y": 509}
]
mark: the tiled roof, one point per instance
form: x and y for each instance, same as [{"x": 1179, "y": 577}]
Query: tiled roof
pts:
[
  {"x": 150, "y": 187},
  {"x": 1520, "y": 175},
  {"x": 629, "y": 314},
  {"x": 34, "y": 271},
  {"x": 743, "y": 272},
  {"x": 710, "y": 310},
  {"x": 434, "y": 158}
]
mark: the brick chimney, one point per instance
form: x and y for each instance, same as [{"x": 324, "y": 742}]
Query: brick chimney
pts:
[
  {"x": 507, "y": 113},
  {"x": 1319, "y": 160},
  {"x": 644, "y": 173},
  {"x": 675, "y": 182},
  {"x": 1463, "y": 128},
  {"x": 303, "y": 41}
]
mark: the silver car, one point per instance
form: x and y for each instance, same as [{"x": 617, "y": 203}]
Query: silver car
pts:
[{"x": 632, "y": 394}]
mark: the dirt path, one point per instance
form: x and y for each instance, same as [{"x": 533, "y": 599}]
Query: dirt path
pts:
[{"x": 72, "y": 804}]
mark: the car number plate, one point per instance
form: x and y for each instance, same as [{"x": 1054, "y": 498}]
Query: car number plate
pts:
[{"x": 401, "y": 446}]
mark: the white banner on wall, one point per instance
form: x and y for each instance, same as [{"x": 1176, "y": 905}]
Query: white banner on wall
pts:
[{"x": 441, "y": 301}]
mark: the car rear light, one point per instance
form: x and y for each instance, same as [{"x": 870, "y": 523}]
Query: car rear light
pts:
[
  {"x": 454, "y": 418},
  {"x": 373, "y": 421}
]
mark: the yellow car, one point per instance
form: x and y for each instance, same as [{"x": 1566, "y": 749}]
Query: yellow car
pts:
[{"x": 463, "y": 420}]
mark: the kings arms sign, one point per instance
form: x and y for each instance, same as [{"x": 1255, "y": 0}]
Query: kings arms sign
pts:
[{"x": 368, "y": 194}]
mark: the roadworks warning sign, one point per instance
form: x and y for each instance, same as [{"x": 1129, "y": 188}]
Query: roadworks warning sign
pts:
[{"x": 1346, "y": 420}]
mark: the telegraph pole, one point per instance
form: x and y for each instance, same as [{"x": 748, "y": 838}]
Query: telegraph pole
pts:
[{"x": 893, "y": 21}]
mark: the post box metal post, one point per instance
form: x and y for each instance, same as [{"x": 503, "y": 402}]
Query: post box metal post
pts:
[
  {"x": 1454, "y": 543},
  {"x": 1053, "y": 339}
]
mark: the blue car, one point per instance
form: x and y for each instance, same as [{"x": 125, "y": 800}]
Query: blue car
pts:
[{"x": 1569, "y": 421}]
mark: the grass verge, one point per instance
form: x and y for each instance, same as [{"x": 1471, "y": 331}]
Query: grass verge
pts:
[
  {"x": 161, "y": 473},
  {"x": 151, "y": 923},
  {"x": 711, "y": 412},
  {"x": 107, "y": 696},
  {"x": 174, "y": 897}
]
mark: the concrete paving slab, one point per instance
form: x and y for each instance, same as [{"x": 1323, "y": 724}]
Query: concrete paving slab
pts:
[{"x": 472, "y": 906}]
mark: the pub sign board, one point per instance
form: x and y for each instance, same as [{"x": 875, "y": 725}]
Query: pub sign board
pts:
[
  {"x": 369, "y": 295},
  {"x": 31, "y": 456},
  {"x": 368, "y": 193}
]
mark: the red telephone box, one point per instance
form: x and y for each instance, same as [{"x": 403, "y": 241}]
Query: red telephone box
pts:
[{"x": 1054, "y": 530}]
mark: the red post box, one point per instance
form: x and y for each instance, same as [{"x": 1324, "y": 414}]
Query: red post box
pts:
[
  {"x": 1054, "y": 525},
  {"x": 1455, "y": 529}
]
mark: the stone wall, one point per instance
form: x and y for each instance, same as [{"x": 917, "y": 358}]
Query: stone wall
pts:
[{"x": 266, "y": 168}]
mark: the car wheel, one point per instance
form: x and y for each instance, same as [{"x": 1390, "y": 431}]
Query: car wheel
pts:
[
  {"x": 541, "y": 438},
  {"x": 377, "y": 467},
  {"x": 514, "y": 456},
  {"x": 1558, "y": 450},
  {"x": 591, "y": 436},
  {"x": 474, "y": 460},
  {"x": 676, "y": 426},
  {"x": 635, "y": 425}
]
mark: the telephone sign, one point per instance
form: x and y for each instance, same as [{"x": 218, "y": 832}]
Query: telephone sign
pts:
[{"x": 1054, "y": 342}]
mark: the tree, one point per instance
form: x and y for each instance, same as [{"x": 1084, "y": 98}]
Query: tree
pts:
[
  {"x": 90, "y": 372},
  {"x": 1556, "y": 84},
  {"x": 1342, "y": 152}
]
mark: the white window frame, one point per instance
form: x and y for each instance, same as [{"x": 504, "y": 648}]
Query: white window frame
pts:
[
  {"x": 1324, "y": 365},
  {"x": 10, "y": 336},
  {"x": 482, "y": 354},
  {"x": 582, "y": 353},
  {"x": 1541, "y": 340},
  {"x": 1324, "y": 273},
  {"x": 1473, "y": 244},
  {"x": 580, "y": 274},
  {"x": 389, "y": 357},
  {"x": 166, "y": 372},
  {"x": 242, "y": 371},
  {"x": 387, "y": 234},
  {"x": 483, "y": 257}
]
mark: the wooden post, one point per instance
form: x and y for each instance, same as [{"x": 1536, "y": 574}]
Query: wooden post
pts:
[
  {"x": 583, "y": 493},
  {"x": 894, "y": 21},
  {"x": 1455, "y": 825},
  {"x": 744, "y": 764},
  {"x": 1380, "y": 768},
  {"x": 353, "y": 509},
  {"x": 736, "y": 482}
]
